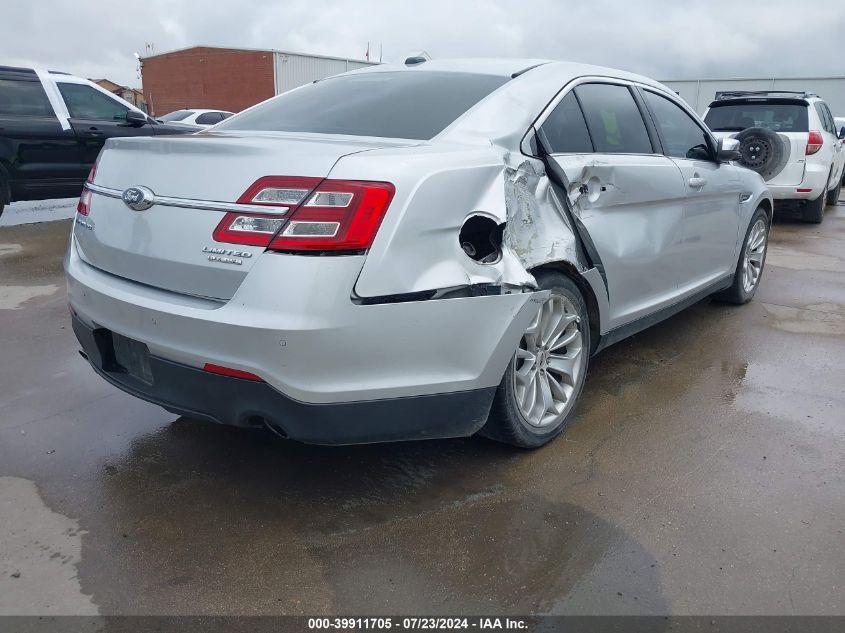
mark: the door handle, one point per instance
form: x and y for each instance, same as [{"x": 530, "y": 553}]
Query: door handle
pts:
[
  {"x": 697, "y": 183},
  {"x": 95, "y": 131}
]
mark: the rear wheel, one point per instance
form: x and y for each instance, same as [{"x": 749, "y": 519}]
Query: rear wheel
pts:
[
  {"x": 541, "y": 386},
  {"x": 813, "y": 211},
  {"x": 752, "y": 258},
  {"x": 833, "y": 194}
]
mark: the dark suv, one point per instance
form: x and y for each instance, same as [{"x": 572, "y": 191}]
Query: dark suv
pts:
[{"x": 52, "y": 127}]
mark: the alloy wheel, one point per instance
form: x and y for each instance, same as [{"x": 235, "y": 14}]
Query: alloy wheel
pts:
[
  {"x": 755, "y": 251},
  {"x": 548, "y": 363}
]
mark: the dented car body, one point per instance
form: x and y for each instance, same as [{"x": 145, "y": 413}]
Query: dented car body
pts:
[{"x": 346, "y": 274}]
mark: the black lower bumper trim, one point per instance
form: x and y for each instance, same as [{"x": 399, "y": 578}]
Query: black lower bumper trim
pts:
[{"x": 199, "y": 394}]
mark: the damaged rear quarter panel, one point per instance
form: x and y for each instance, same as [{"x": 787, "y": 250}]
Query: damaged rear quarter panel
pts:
[{"x": 437, "y": 188}]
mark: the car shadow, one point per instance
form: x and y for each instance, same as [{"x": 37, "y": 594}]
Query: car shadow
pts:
[{"x": 442, "y": 526}]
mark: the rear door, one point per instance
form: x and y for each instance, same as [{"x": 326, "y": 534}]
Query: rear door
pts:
[
  {"x": 41, "y": 158},
  {"x": 711, "y": 208},
  {"x": 95, "y": 117},
  {"x": 627, "y": 196}
]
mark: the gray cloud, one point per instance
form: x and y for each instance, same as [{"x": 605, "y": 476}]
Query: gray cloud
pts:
[{"x": 666, "y": 40}]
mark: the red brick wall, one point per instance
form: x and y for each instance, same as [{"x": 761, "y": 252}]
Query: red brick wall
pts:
[{"x": 225, "y": 79}]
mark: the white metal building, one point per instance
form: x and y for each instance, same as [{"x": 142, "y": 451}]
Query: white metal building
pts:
[
  {"x": 292, "y": 70},
  {"x": 700, "y": 92}
]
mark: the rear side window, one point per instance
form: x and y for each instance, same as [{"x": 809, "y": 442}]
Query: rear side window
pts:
[
  {"x": 565, "y": 130},
  {"x": 682, "y": 136},
  {"x": 779, "y": 117},
  {"x": 826, "y": 118},
  {"x": 411, "y": 104},
  {"x": 84, "y": 102},
  {"x": 23, "y": 98},
  {"x": 614, "y": 120},
  {"x": 209, "y": 118}
]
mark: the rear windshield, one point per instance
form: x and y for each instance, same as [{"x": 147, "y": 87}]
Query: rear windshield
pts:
[
  {"x": 176, "y": 116},
  {"x": 413, "y": 105},
  {"x": 780, "y": 117}
]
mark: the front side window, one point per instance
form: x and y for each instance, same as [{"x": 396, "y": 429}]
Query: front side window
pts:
[
  {"x": 84, "y": 102},
  {"x": 23, "y": 98},
  {"x": 682, "y": 136},
  {"x": 614, "y": 120},
  {"x": 416, "y": 104},
  {"x": 565, "y": 131}
]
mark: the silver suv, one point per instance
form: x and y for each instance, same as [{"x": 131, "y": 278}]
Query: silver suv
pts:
[
  {"x": 408, "y": 251},
  {"x": 790, "y": 139}
]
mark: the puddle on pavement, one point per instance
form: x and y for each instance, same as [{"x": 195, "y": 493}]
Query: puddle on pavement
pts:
[
  {"x": 13, "y": 297},
  {"x": 39, "y": 552},
  {"x": 431, "y": 527},
  {"x": 807, "y": 321},
  {"x": 10, "y": 249},
  {"x": 802, "y": 260},
  {"x": 517, "y": 555}
]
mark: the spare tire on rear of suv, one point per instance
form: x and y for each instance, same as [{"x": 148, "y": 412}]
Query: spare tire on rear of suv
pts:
[{"x": 763, "y": 151}]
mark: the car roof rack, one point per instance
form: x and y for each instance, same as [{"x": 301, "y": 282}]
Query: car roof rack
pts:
[
  {"x": 735, "y": 94},
  {"x": 17, "y": 69}
]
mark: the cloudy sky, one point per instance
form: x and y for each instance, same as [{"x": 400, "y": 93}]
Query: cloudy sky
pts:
[{"x": 665, "y": 39}]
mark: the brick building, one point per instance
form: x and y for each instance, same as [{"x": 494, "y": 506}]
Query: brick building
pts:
[
  {"x": 132, "y": 95},
  {"x": 229, "y": 79}
]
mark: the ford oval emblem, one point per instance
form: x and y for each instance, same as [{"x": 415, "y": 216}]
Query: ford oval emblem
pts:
[{"x": 138, "y": 198}]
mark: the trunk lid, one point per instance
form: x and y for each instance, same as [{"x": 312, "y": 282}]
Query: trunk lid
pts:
[{"x": 170, "y": 245}]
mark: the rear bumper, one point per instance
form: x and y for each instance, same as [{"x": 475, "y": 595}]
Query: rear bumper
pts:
[
  {"x": 292, "y": 323},
  {"x": 195, "y": 393},
  {"x": 333, "y": 371},
  {"x": 815, "y": 178}
]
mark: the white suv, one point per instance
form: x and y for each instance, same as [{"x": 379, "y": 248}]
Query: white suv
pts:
[{"x": 790, "y": 139}]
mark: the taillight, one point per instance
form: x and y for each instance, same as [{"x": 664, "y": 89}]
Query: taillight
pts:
[
  {"x": 814, "y": 142},
  {"x": 251, "y": 230},
  {"x": 321, "y": 215},
  {"x": 278, "y": 193},
  {"x": 339, "y": 215},
  {"x": 84, "y": 204},
  {"x": 83, "y": 207}
]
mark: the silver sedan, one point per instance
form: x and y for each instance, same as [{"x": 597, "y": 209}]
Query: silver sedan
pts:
[{"x": 428, "y": 249}]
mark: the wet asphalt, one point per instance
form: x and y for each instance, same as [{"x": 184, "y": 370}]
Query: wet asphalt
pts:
[{"x": 704, "y": 474}]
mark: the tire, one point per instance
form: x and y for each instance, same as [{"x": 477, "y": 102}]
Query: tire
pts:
[
  {"x": 507, "y": 422},
  {"x": 740, "y": 290},
  {"x": 833, "y": 194},
  {"x": 763, "y": 151},
  {"x": 813, "y": 211}
]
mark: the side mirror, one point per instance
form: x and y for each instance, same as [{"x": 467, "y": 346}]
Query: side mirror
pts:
[
  {"x": 135, "y": 118},
  {"x": 842, "y": 132},
  {"x": 727, "y": 149}
]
